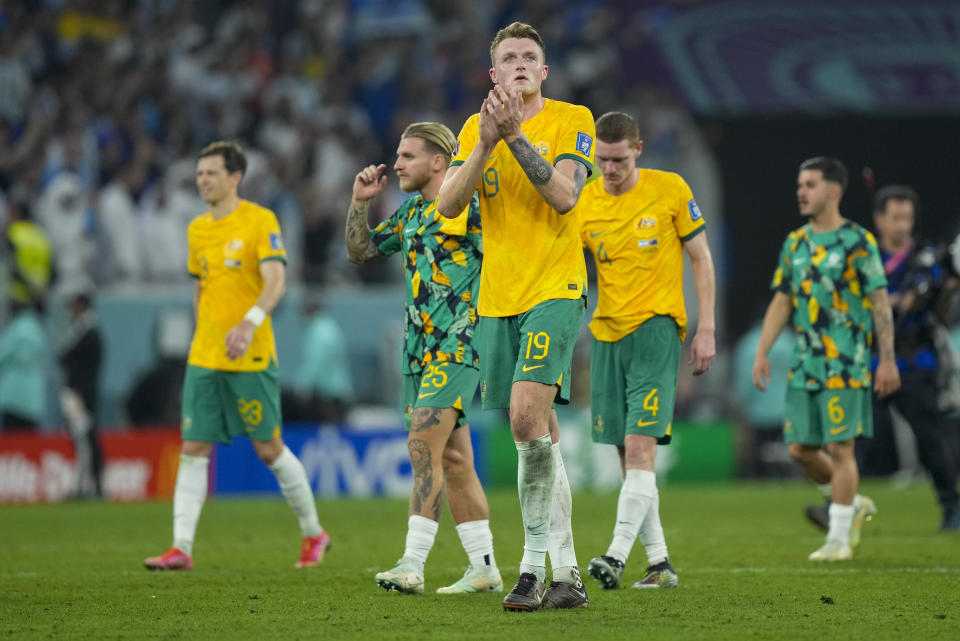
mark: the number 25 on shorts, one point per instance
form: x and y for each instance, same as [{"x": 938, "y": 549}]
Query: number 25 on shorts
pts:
[{"x": 435, "y": 375}]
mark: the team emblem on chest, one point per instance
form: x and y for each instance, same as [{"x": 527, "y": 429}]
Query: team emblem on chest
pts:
[{"x": 233, "y": 253}]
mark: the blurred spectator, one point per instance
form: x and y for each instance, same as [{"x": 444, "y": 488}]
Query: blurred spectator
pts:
[
  {"x": 118, "y": 226},
  {"x": 28, "y": 255},
  {"x": 324, "y": 385},
  {"x": 63, "y": 211},
  {"x": 23, "y": 369},
  {"x": 81, "y": 352},
  {"x": 166, "y": 211},
  {"x": 915, "y": 281},
  {"x": 14, "y": 77},
  {"x": 762, "y": 450}
]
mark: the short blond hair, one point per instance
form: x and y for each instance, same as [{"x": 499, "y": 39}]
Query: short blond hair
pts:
[
  {"x": 516, "y": 30},
  {"x": 437, "y": 138}
]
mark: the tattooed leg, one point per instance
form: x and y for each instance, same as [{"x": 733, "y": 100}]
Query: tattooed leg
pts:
[{"x": 429, "y": 431}]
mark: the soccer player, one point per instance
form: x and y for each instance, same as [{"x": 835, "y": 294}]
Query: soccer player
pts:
[
  {"x": 231, "y": 387},
  {"x": 440, "y": 363},
  {"x": 829, "y": 278},
  {"x": 637, "y": 223},
  {"x": 529, "y": 157}
]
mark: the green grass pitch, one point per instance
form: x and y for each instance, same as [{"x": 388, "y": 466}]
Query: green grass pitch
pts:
[{"x": 74, "y": 571}]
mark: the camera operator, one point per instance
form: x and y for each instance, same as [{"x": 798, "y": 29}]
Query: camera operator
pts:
[{"x": 917, "y": 278}]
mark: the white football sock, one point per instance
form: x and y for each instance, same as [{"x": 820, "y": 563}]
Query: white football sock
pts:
[
  {"x": 826, "y": 489},
  {"x": 421, "y": 533},
  {"x": 636, "y": 498},
  {"x": 841, "y": 516},
  {"x": 296, "y": 491},
  {"x": 536, "y": 477},
  {"x": 651, "y": 533},
  {"x": 188, "y": 496},
  {"x": 477, "y": 542},
  {"x": 563, "y": 556}
]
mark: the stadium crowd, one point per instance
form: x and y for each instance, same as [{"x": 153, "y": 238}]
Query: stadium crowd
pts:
[{"x": 105, "y": 104}]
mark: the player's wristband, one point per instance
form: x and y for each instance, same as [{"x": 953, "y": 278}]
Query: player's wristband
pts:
[{"x": 256, "y": 315}]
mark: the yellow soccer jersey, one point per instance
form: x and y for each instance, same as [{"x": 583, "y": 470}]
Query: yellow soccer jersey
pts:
[
  {"x": 636, "y": 239},
  {"x": 531, "y": 253},
  {"x": 225, "y": 255}
]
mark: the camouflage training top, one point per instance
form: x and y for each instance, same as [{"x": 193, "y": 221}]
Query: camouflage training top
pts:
[
  {"x": 828, "y": 277},
  {"x": 441, "y": 262}
]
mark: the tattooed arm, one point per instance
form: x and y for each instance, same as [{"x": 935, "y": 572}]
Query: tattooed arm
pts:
[
  {"x": 560, "y": 186},
  {"x": 886, "y": 380},
  {"x": 360, "y": 247},
  {"x": 368, "y": 183}
]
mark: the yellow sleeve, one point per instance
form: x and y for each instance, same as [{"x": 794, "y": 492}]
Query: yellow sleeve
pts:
[
  {"x": 466, "y": 141},
  {"x": 452, "y": 226},
  {"x": 270, "y": 240},
  {"x": 576, "y": 138},
  {"x": 687, "y": 218}
]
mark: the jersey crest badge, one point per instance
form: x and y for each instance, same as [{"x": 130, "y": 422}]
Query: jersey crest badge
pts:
[
  {"x": 646, "y": 223},
  {"x": 233, "y": 253},
  {"x": 584, "y": 143}
]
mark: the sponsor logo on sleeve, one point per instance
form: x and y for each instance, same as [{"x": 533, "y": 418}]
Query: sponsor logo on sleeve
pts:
[
  {"x": 694, "y": 210},
  {"x": 584, "y": 143},
  {"x": 276, "y": 242}
]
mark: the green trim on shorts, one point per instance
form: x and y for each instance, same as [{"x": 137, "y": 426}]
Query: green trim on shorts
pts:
[
  {"x": 633, "y": 383},
  {"x": 846, "y": 413},
  {"x": 219, "y": 405},
  {"x": 444, "y": 384},
  {"x": 536, "y": 345}
]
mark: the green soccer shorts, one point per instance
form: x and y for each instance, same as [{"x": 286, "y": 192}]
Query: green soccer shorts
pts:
[
  {"x": 827, "y": 416},
  {"x": 219, "y": 405},
  {"x": 444, "y": 384},
  {"x": 536, "y": 345},
  {"x": 633, "y": 383}
]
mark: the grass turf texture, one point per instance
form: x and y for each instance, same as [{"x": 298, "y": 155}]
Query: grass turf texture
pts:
[{"x": 75, "y": 571}]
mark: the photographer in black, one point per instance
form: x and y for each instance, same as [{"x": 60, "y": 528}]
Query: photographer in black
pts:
[{"x": 917, "y": 277}]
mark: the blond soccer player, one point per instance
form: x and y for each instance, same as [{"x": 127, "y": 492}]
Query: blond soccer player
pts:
[
  {"x": 528, "y": 158},
  {"x": 441, "y": 262}
]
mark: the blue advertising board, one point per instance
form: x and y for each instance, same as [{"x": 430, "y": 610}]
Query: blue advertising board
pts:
[{"x": 339, "y": 462}]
